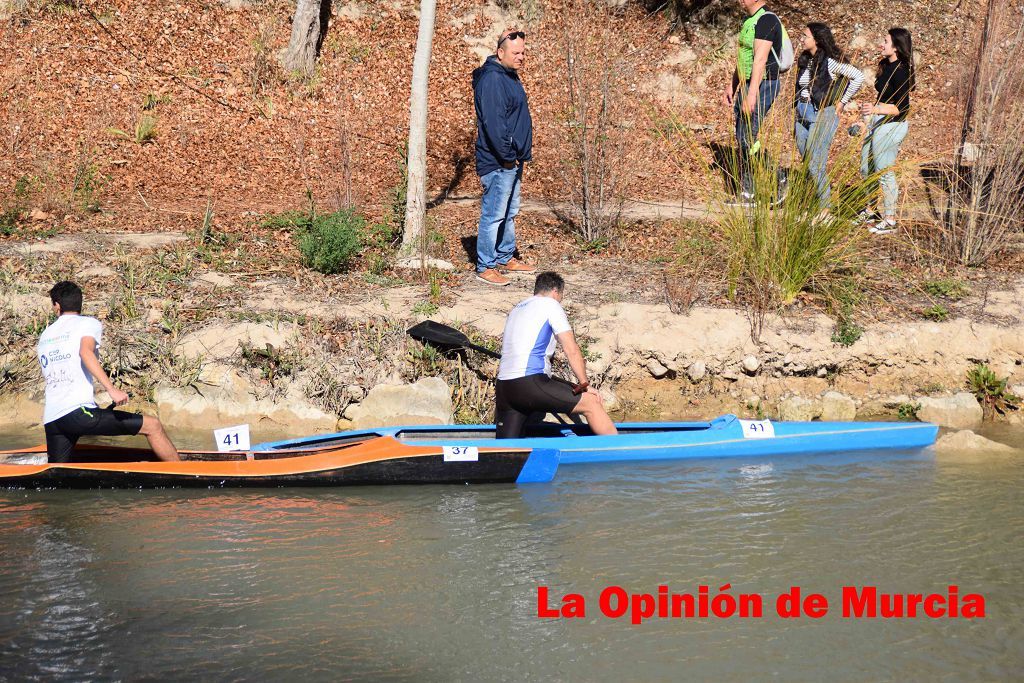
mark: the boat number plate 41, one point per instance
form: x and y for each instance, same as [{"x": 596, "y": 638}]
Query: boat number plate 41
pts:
[
  {"x": 757, "y": 429},
  {"x": 461, "y": 454}
]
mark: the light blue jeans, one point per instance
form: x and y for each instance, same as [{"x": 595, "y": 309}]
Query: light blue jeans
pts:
[
  {"x": 814, "y": 131},
  {"x": 881, "y": 146},
  {"x": 499, "y": 205}
]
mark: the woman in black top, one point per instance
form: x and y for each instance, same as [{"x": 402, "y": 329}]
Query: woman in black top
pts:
[{"x": 887, "y": 126}]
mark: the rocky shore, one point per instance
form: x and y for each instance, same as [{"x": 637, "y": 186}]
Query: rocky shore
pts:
[{"x": 291, "y": 360}]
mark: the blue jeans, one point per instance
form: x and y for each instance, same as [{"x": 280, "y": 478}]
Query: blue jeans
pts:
[
  {"x": 815, "y": 130},
  {"x": 747, "y": 127},
  {"x": 499, "y": 205},
  {"x": 879, "y": 153}
]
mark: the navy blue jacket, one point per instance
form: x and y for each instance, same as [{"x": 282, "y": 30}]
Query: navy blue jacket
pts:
[{"x": 504, "y": 130}]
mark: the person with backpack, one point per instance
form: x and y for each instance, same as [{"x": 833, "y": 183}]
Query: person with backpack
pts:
[
  {"x": 763, "y": 53},
  {"x": 825, "y": 80},
  {"x": 887, "y": 120}
]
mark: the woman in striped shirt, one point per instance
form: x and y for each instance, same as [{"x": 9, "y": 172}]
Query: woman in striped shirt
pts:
[{"x": 824, "y": 81}]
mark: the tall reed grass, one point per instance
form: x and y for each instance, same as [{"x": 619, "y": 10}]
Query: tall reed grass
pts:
[{"x": 786, "y": 241}]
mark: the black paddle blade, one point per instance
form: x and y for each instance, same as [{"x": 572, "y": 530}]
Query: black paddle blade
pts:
[{"x": 437, "y": 334}]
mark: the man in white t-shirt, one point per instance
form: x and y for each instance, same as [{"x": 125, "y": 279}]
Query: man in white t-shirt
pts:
[
  {"x": 524, "y": 383},
  {"x": 68, "y": 358}
]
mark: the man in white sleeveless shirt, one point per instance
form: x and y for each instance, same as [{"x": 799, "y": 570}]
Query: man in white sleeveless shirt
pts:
[
  {"x": 67, "y": 354},
  {"x": 525, "y": 385}
]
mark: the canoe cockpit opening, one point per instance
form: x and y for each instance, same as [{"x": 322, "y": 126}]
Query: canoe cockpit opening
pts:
[
  {"x": 534, "y": 430},
  {"x": 328, "y": 441},
  {"x": 427, "y": 434}
]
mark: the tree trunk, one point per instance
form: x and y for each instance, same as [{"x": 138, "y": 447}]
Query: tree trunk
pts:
[
  {"x": 416, "y": 200},
  {"x": 308, "y": 30}
]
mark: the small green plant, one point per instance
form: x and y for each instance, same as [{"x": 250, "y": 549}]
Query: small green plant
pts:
[
  {"x": 908, "y": 411},
  {"x": 10, "y": 221},
  {"x": 991, "y": 391},
  {"x": 847, "y": 332},
  {"x": 588, "y": 354},
  {"x": 152, "y": 101},
  {"x": 426, "y": 308},
  {"x": 844, "y": 297},
  {"x": 594, "y": 246},
  {"x": 938, "y": 313},
  {"x": 145, "y": 130},
  {"x": 954, "y": 290},
  {"x": 87, "y": 185},
  {"x": 328, "y": 242},
  {"x": 62, "y": 7},
  {"x": 436, "y": 278}
]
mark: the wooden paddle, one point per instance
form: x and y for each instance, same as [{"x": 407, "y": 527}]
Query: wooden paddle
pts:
[{"x": 437, "y": 334}]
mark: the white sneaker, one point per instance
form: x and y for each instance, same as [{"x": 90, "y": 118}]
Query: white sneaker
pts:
[
  {"x": 885, "y": 227},
  {"x": 742, "y": 199}
]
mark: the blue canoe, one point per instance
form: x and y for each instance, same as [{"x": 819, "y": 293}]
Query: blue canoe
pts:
[{"x": 724, "y": 436}]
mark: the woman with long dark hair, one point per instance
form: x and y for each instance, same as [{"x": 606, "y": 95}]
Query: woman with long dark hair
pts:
[
  {"x": 824, "y": 82},
  {"x": 887, "y": 126}
]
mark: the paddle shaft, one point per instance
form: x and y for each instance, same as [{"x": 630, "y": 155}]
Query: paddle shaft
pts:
[{"x": 449, "y": 336}]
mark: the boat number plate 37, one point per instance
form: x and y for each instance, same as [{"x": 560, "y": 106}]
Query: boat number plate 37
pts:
[
  {"x": 757, "y": 429},
  {"x": 461, "y": 454}
]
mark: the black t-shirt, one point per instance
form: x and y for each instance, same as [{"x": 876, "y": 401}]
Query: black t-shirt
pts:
[
  {"x": 893, "y": 86},
  {"x": 769, "y": 28}
]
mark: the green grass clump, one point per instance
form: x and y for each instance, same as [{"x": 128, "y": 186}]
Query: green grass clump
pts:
[
  {"x": 954, "y": 290},
  {"x": 145, "y": 130},
  {"x": 328, "y": 242},
  {"x": 938, "y": 313}
]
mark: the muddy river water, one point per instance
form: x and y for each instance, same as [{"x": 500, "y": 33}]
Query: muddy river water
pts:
[{"x": 441, "y": 583}]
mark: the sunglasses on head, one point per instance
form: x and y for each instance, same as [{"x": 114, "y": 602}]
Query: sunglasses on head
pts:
[{"x": 515, "y": 35}]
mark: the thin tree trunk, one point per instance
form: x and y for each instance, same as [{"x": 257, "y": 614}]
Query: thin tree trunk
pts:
[
  {"x": 416, "y": 197},
  {"x": 308, "y": 29}
]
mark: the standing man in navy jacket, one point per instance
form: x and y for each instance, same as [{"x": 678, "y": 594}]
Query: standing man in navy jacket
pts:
[{"x": 504, "y": 142}]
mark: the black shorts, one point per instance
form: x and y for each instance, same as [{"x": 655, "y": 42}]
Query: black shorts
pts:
[
  {"x": 516, "y": 399},
  {"x": 63, "y": 433}
]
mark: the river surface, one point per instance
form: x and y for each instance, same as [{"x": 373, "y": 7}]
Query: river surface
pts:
[{"x": 440, "y": 583}]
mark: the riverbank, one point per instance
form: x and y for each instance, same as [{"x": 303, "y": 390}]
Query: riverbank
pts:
[{"x": 212, "y": 330}]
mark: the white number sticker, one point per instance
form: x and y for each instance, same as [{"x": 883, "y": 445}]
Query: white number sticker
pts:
[
  {"x": 461, "y": 454},
  {"x": 232, "y": 438},
  {"x": 757, "y": 429}
]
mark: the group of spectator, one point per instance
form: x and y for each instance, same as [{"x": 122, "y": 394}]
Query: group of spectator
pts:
[{"x": 826, "y": 84}]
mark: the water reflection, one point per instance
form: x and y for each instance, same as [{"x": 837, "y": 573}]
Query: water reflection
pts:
[{"x": 440, "y": 583}]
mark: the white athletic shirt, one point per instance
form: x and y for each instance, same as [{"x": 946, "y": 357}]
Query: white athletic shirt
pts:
[
  {"x": 68, "y": 383},
  {"x": 529, "y": 337}
]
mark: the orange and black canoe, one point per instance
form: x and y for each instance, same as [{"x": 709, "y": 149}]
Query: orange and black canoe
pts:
[{"x": 380, "y": 460}]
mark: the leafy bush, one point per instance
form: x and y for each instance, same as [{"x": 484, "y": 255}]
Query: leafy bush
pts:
[
  {"x": 938, "y": 313},
  {"x": 847, "y": 332},
  {"x": 991, "y": 391},
  {"x": 908, "y": 411},
  {"x": 328, "y": 242},
  {"x": 954, "y": 290}
]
